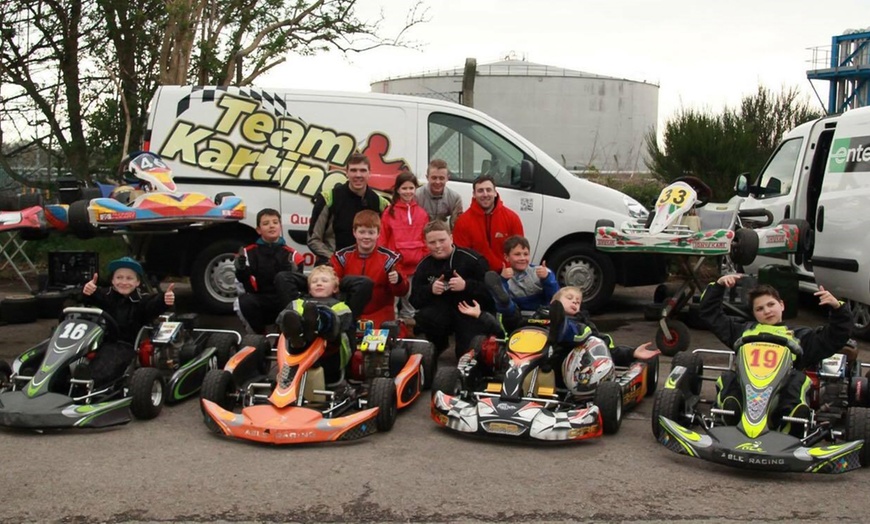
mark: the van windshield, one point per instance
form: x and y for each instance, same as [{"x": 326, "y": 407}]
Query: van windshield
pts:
[
  {"x": 778, "y": 175},
  {"x": 472, "y": 149}
]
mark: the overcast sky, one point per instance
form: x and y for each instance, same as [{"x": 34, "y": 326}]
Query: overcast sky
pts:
[{"x": 702, "y": 53}]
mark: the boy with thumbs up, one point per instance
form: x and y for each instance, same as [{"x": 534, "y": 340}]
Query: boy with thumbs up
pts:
[
  {"x": 130, "y": 308},
  {"x": 444, "y": 278},
  {"x": 521, "y": 285}
]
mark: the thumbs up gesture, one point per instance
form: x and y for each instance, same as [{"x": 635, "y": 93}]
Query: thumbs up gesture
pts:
[
  {"x": 90, "y": 286},
  {"x": 393, "y": 277},
  {"x": 541, "y": 271},
  {"x": 439, "y": 286},
  {"x": 507, "y": 272},
  {"x": 169, "y": 296},
  {"x": 456, "y": 282}
]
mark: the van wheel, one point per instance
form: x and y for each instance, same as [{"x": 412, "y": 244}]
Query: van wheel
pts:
[
  {"x": 860, "y": 319},
  {"x": 580, "y": 265},
  {"x": 213, "y": 277}
]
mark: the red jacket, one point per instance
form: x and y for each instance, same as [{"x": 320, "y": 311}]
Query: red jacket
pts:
[
  {"x": 486, "y": 232},
  {"x": 381, "y": 307},
  {"x": 402, "y": 232}
]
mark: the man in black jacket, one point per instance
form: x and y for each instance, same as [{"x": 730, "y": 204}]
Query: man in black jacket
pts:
[{"x": 447, "y": 276}]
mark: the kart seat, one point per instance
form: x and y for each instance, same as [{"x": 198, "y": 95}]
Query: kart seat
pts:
[{"x": 718, "y": 216}]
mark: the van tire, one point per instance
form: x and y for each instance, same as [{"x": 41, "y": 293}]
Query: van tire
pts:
[
  {"x": 212, "y": 276},
  {"x": 573, "y": 261},
  {"x": 860, "y": 319}
]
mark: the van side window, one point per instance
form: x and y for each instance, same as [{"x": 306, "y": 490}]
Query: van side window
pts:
[
  {"x": 777, "y": 177},
  {"x": 472, "y": 149}
]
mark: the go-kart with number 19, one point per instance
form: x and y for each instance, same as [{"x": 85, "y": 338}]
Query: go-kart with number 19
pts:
[
  {"x": 507, "y": 388},
  {"x": 293, "y": 405},
  {"x": 747, "y": 439}
]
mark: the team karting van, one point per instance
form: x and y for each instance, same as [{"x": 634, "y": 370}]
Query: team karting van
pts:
[
  {"x": 278, "y": 148},
  {"x": 820, "y": 173}
]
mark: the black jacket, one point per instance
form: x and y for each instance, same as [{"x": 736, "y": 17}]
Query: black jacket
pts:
[
  {"x": 131, "y": 312},
  {"x": 817, "y": 343},
  {"x": 470, "y": 266},
  {"x": 264, "y": 262}
]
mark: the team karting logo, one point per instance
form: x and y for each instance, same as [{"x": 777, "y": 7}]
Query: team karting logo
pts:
[
  {"x": 849, "y": 155},
  {"x": 231, "y": 135}
]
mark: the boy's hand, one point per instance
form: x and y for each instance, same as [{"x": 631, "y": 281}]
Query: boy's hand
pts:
[
  {"x": 456, "y": 282},
  {"x": 241, "y": 260},
  {"x": 169, "y": 296},
  {"x": 541, "y": 271},
  {"x": 826, "y": 298},
  {"x": 439, "y": 286},
  {"x": 507, "y": 272},
  {"x": 393, "y": 277},
  {"x": 472, "y": 310},
  {"x": 729, "y": 280},
  {"x": 91, "y": 286},
  {"x": 643, "y": 352}
]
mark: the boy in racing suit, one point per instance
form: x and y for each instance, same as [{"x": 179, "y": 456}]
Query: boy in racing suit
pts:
[
  {"x": 767, "y": 308},
  {"x": 130, "y": 309}
]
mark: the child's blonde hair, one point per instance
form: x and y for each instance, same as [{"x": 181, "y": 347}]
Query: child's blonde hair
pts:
[
  {"x": 326, "y": 270},
  {"x": 559, "y": 294}
]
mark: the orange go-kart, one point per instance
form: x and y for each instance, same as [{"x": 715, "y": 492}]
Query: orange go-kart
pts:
[{"x": 290, "y": 403}]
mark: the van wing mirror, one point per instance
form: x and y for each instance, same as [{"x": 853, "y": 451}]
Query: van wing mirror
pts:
[
  {"x": 741, "y": 185},
  {"x": 522, "y": 175}
]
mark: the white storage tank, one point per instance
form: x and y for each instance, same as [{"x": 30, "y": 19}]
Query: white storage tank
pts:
[{"x": 587, "y": 121}]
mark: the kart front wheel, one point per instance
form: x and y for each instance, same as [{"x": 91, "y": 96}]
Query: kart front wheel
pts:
[
  {"x": 652, "y": 375},
  {"x": 217, "y": 386},
  {"x": 146, "y": 388},
  {"x": 744, "y": 247},
  {"x": 669, "y": 403},
  {"x": 679, "y": 338},
  {"x": 694, "y": 365},
  {"x": 382, "y": 395},
  {"x": 427, "y": 363},
  {"x": 858, "y": 428},
  {"x": 447, "y": 381},
  {"x": 608, "y": 398}
]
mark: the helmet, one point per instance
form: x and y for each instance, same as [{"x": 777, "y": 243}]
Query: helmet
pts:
[{"x": 586, "y": 366}]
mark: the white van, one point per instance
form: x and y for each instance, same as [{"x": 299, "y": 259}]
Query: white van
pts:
[
  {"x": 820, "y": 172},
  {"x": 278, "y": 148}
]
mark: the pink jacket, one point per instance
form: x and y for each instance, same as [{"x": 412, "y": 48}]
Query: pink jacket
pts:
[{"x": 402, "y": 232}]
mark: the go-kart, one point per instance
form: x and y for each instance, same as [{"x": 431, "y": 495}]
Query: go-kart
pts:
[
  {"x": 747, "y": 439},
  {"x": 173, "y": 358},
  {"x": 838, "y": 387},
  {"x": 684, "y": 223},
  {"x": 293, "y": 405},
  {"x": 151, "y": 203},
  {"x": 507, "y": 388}
]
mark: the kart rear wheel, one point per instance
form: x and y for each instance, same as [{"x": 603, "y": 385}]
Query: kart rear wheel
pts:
[
  {"x": 218, "y": 387},
  {"x": 669, "y": 403},
  {"x": 744, "y": 247},
  {"x": 858, "y": 428},
  {"x": 398, "y": 359},
  {"x": 652, "y": 375},
  {"x": 146, "y": 388},
  {"x": 382, "y": 395},
  {"x": 447, "y": 381},
  {"x": 80, "y": 219},
  {"x": 263, "y": 348},
  {"x": 427, "y": 362},
  {"x": 859, "y": 392},
  {"x": 225, "y": 347},
  {"x": 608, "y": 398},
  {"x": 694, "y": 365},
  {"x": 679, "y": 341}
]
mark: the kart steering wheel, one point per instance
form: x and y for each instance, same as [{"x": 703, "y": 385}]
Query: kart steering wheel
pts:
[
  {"x": 703, "y": 191},
  {"x": 770, "y": 338},
  {"x": 110, "y": 324}
]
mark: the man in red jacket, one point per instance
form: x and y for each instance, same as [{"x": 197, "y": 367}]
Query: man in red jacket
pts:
[
  {"x": 366, "y": 259},
  {"x": 487, "y": 223}
]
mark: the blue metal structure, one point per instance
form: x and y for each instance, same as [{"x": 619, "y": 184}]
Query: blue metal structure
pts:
[{"x": 848, "y": 71}]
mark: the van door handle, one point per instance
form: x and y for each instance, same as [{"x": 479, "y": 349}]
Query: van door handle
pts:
[{"x": 820, "y": 219}]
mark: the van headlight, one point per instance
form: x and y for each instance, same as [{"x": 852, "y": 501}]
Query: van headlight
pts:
[{"x": 634, "y": 208}]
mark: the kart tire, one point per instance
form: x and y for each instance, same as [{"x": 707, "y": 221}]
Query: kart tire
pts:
[
  {"x": 26, "y": 200},
  {"x": 219, "y": 198},
  {"x": 218, "y": 387},
  {"x": 603, "y": 222},
  {"x": 212, "y": 276},
  {"x": 5, "y": 374},
  {"x": 652, "y": 375},
  {"x": 694, "y": 365},
  {"x": 580, "y": 264},
  {"x": 744, "y": 247},
  {"x": 383, "y": 395},
  {"x": 147, "y": 389},
  {"x": 51, "y": 303},
  {"x": 448, "y": 381},
  {"x": 263, "y": 349},
  {"x": 680, "y": 338},
  {"x": 428, "y": 363},
  {"x": 89, "y": 193},
  {"x": 398, "y": 359},
  {"x": 669, "y": 403},
  {"x": 608, "y": 398},
  {"x": 225, "y": 347},
  {"x": 19, "y": 309},
  {"x": 859, "y": 392},
  {"x": 858, "y": 428},
  {"x": 80, "y": 219}
]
